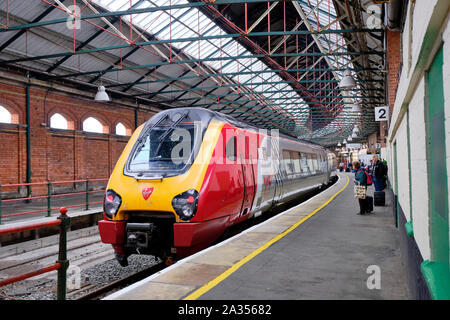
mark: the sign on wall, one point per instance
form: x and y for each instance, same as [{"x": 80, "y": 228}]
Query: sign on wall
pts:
[
  {"x": 353, "y": 145},
  {"x": 382, "y": 113}
]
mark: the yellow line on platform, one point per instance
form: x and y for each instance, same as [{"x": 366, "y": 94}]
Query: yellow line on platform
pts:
[{"x": 211, "y": 284}]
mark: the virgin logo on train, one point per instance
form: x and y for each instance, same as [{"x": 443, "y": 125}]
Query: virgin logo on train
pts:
[{"x": 147, "y": 192}]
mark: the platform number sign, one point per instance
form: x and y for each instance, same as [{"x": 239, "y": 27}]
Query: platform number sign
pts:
[{"x": 382, "y": 113}]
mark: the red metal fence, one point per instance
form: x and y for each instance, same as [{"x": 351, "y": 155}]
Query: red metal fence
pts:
[{"x": 61, "y": 264}]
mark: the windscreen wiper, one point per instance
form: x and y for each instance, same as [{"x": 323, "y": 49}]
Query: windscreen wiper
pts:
[
  {"x": 173, "y": 125},
  {"x": 142, "y": 176},
  {"x": 148, "y": 129},
  {"x": 169, "y": 130}
]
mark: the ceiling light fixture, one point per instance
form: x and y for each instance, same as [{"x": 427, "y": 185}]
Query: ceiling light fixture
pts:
[
  {"x": 347, "y": 81},
  {"x": 356, "y": 107},
  {"x": 101, "y": 95}
]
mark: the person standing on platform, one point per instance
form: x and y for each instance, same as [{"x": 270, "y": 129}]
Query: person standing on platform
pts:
[
  {"x": 378, "y": 174},
  {"x": 360, "y": 179},
  {"x": 369, "y": 168}
]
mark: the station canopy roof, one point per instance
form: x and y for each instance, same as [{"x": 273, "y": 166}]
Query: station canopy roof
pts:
[{"x": 275, "y": 64}]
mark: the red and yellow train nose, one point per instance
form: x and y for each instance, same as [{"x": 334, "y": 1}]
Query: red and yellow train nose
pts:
[
  {"x": 184, "y": 204},
  {"x": 149, "y": 201},
  {"x": 170, "y": 195}
]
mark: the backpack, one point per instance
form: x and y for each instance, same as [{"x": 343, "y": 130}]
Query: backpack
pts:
[{"x": 368, "y": 178}]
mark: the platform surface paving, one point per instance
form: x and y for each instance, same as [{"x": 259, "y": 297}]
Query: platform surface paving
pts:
[{"x": 333, "y": 254}]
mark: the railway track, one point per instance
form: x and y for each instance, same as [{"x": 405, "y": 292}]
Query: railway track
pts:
[
  {"x": 91, "y": 261},
  {"x": 121, "y": 283}
]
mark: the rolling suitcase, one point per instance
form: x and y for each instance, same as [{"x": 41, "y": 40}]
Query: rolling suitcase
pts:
[
  {"x": 379, "y": 198},
  {"x": 369, "y": 203}
]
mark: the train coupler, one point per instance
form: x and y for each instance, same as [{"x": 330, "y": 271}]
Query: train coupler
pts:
[{"x": 122, "y": 259}]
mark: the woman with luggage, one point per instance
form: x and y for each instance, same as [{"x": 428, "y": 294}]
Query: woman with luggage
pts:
[
  {"x": 379, "y": 181},
  {"x": 361, "y": 180}
]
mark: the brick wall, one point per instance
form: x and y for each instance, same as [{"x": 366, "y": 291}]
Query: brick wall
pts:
[
  {"x": 60, "y": 154},
  {"x": 372, "y": 141},
  {"x": 394, "y": 60}
]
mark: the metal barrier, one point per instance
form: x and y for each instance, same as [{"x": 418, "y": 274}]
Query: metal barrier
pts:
[
  {"x": 62, "y": 264},
  {"x": 49, "y": 196}
]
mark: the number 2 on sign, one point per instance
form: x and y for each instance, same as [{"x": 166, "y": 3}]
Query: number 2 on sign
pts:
[{"x": 381, "y": 113}]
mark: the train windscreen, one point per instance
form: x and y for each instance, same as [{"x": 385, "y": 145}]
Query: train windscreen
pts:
[{"x": 165, "y": 148}]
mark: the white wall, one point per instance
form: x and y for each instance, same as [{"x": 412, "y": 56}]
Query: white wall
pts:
[
  {"x": 422, "y": 13},
  {"x": 419, "y": 176},
  {"x": 415, "y": 87},
  {"x": 403, "y": 169}
]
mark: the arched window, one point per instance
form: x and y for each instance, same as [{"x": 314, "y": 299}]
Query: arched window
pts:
[
  {"x": 57, "y": 121},
  {"x": 5, "y": 115},
  {"x": 121, "y": 130},
  {"x": 92, "y": 125}
]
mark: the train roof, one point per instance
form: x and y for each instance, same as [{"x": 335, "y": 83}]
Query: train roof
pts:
[{"x": 206, "y": 115}]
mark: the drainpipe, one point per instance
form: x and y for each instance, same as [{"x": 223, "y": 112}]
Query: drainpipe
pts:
[
  {"x": 135, "y": 118},
  {"x": 27, "y": 103},
  {"x": 395, "y": 14}
]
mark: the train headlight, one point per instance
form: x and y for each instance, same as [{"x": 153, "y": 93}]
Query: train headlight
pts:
[
  {"x": 111, "y": 203},
  {"x": 185, "y": 204}
]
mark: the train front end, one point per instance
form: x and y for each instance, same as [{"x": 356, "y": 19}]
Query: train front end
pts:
[{"x": 154, "y": 187}]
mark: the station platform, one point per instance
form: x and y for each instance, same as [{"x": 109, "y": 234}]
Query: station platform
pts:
[
  {"x": 79, "y": 219},
  {"x": 320, "y": 249},
  {"x": 38, "y": 208}
]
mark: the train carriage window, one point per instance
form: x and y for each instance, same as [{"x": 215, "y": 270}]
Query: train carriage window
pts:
[
  {"x": 311, "y": 163},
  {"x": 231, "y": 149},
  {"x": 295, "y": 156},
  {"x": 264, "y": 153},
  {"x": 287, "y": 162},
  {"x": 304, "y": 163},
  {"x": 324, "y": 163},
  {"x": 315, "y": 162},
  {"x": 319, "y": 163}
]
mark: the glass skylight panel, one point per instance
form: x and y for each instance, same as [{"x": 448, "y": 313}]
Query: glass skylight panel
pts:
[
  {"x": 321, "y": 18},
  {"x": 165, "y": 27}
]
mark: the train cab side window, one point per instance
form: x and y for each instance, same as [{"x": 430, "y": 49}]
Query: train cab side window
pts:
[
  {"x": 231, "y": 149},
  {"x": 247, "y": 148}
]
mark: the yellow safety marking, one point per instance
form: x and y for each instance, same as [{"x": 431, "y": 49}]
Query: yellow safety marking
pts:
[{"x": 211, "y": 284}]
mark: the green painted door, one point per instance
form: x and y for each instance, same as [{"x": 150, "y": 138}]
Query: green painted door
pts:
[
  {"x": 395, "y": 184},
  {"x": 437, "y": 270},
  {"x": 438, "y": 167}
]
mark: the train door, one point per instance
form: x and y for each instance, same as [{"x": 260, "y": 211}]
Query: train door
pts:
[
  {"x": 276, "y": 162},
  {"x": 247, "y": 175}
]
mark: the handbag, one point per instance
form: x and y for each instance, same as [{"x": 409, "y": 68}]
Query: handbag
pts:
[{"x": 360, "y": 191}]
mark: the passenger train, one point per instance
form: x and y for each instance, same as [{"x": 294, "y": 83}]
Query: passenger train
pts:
[{"x": 188, "y": 174}]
